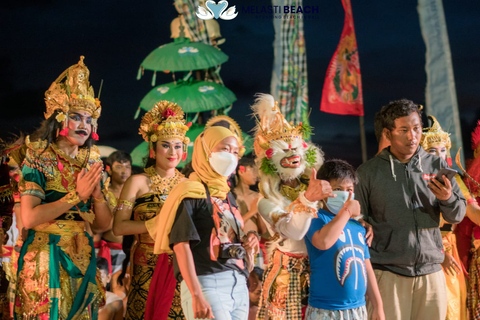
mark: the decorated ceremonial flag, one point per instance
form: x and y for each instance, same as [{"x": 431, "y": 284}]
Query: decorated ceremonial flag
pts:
[
  {"x": 342, "y": 90},
  {"x": 289, "y": 83},
  {"x": 440, "y": 94}
]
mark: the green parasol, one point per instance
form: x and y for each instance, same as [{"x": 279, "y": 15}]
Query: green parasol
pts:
[
  {"x": 183, "y": 55},
  {"x": 193, "y": 96},
  {"x": 141, "y": 151}
]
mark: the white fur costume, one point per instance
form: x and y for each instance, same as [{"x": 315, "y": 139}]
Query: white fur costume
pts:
[{"x": 283, "y": 156}]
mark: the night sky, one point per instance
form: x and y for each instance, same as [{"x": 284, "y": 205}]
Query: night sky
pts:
[{"x": 40, "y": 39}]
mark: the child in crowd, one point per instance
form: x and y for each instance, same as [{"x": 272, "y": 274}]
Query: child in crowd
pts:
[
  {"x": 113, "y": 308},
  {"x": 339, "y": 256},
  {"x": 247, "y": 177},
  {"x": 254, "y": 284}
]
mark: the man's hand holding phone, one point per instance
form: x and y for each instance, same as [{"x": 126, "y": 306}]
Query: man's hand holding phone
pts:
[{"x": 441, "y": 186}]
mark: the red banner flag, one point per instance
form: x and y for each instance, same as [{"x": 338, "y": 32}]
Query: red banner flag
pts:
[{"x": 342, "y": 90}]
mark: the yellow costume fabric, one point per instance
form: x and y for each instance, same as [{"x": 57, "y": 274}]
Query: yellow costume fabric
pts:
[{"x": 159, "y": 227}]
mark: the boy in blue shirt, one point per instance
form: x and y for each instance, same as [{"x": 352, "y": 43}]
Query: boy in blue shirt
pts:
[{"x": 341, "y": 272}]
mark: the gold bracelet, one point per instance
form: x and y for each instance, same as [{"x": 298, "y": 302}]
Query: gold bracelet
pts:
[
  {"x": 124, "y": 204},
  {"x": 99, "y": 200},
  {"x": 71, "y": 197}
]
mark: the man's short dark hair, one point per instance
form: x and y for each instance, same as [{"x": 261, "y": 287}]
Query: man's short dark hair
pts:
[
  {"x": 118, "y": 156},
  {"x": 397, "y": 109},
  {"x": 337, "y": 169}
]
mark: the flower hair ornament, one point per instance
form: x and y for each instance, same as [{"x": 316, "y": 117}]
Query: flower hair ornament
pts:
[
  {"x": 72, "y": 92},
  {"x": 164, "y": 121},
  {"x": 230, "y": 124}
]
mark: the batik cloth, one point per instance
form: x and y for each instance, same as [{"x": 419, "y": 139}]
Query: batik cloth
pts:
[
  {"x": 285, "y": 287},
  {"x": 57, "y": 274},
  {"x": 144, "y": 261}
]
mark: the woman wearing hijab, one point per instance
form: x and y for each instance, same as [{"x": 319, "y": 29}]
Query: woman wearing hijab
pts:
[{"x": 200, "y": 221}]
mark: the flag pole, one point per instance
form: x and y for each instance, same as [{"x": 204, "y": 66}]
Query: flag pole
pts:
[{"x": 363, "y": 140}]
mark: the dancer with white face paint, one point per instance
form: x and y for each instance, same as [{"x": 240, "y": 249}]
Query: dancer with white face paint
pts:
[
  {"x": 61, "y": 203},
  {"x": 290, "y": 193}
]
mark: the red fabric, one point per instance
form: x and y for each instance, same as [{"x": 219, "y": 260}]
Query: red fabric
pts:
[
  {"x": 104, "y": 251},
  {"x": 6, "y": 251},
  {"x": 162, "y": 290},
  {"x": 463, "y": 231},
  {"x": 342, "y": 90}
]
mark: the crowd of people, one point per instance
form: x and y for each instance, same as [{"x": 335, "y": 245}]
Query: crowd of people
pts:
[{"x": 282, "y": 234}]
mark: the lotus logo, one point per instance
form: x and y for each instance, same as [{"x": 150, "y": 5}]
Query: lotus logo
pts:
[{"x": 216, "y": 10}]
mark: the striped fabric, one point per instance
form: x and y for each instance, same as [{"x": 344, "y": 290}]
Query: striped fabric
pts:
[{"x": 289, "y": 78}]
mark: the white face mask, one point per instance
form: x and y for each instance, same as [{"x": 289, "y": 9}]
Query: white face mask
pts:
[
  {"x": 223, "y": 163},
  {"x": 334, "y": 205}
]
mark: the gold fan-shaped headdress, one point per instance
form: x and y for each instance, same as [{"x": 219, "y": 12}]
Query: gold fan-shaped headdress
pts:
[{"x": 164, "y": 121}]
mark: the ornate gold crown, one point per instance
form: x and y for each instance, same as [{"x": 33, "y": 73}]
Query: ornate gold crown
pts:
[
  {"x": 72, "y": 91},
  {"x": 435, "y": 135},
  {"x": 230, "y": 124},
  {"x": 272, "y": 125},
  {"x": 164, "y": 121}
]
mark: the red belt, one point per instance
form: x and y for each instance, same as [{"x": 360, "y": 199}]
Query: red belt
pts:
[{"x": 104, "y": 251}]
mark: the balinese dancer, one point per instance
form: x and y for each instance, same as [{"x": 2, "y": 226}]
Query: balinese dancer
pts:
[
  {"x": 143, "y": 195},
  {"x": 287, "y": 169},
  {"x": 468, "y": 231},
  {"x": 61, "y": 203},
  {"x": 436, "y": 141}
]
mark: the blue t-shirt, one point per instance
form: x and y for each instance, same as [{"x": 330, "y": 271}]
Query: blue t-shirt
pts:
[{"x": 338, "y": 279}]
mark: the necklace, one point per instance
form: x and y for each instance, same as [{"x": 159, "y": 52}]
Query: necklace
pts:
[
  {"x": 292, "y": 193},
  {"x": 161, "y": 185}
]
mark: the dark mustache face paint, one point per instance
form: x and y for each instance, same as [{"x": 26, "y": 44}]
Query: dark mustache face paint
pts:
[{"x": 81, "y": 132}]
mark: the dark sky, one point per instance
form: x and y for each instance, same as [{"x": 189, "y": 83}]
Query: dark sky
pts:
[{"x": 40, "y": 39}]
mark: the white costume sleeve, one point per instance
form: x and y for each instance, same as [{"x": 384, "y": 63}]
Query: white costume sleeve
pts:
[{"x": 291, "y": 222}]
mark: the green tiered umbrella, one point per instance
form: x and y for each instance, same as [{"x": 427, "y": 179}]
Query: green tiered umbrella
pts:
[
  {"x": 183, "y": 55},
  {"x": 193, "y": 96},
  {"x": 141, "y": 151}
]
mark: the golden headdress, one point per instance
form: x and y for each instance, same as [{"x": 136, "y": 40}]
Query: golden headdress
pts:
[
  {"x": 164, "y": 121},
  {"x": 72, "y": 91},
  {"x": 230, "y": 124},
  {"x": 272, "y": 125},
  {"x": 434, "y": 135}
]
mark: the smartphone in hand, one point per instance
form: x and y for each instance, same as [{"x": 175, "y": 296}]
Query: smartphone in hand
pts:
[{"x": 447, "y": 172}]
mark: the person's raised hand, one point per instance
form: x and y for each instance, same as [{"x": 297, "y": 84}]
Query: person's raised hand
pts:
[
  {"x": 352, "y": 206},
  {"x": 443, "y": 191},
  {"x": 318, "y": 189},
  {"x": 88, "y": 181}
]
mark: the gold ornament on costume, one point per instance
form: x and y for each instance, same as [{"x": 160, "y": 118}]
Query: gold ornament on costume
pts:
[
  {"x": 72, "y": 91},
  {"x": 272, "y": 125},
  {"x": 164, "y": 121},
  {"x": 434, "y": 135},
  {"x": 160, "y": 185},
  {"x": 230, "y": 124}
]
